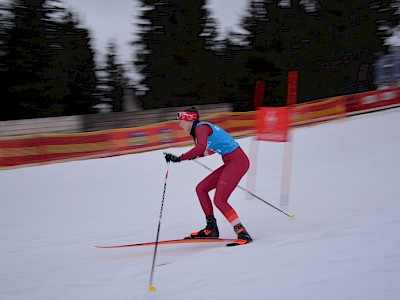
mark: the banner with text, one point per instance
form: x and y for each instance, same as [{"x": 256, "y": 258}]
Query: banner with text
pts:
[{"x": 373, "y": 99}]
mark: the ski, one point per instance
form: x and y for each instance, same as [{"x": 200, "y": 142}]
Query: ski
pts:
[
  {"x": 171, "y": 242},
  {"x": 238, "y": 243}
]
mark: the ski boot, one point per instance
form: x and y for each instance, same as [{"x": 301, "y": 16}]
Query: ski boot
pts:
[
  {"x": 210, "y": 232},
  {"x": 243, "y": 236}
]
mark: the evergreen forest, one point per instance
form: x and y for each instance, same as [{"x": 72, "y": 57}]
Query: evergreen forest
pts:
[{"x": 47, "y": 65}]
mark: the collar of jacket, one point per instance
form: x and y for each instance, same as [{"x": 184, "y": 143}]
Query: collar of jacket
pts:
[{"x": 193, "y": 129}]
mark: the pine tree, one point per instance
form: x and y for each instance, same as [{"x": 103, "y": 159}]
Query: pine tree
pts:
[
  {"x": 113, "y": 80},
  {"x": 71, "y": 72},
  {"x": 149, "y": 43},
  {"x": 171, "y": 56},
  {"x": 234, "y": 79},
  {"x": 300, "y": 33},
  {"x": 4, "y": 23},
  {"x": 25, "y": 57},
  {"x": 47, "y": 64},
  {"x": 80, "y": 67},
  {"x": 265, "y": 56}
]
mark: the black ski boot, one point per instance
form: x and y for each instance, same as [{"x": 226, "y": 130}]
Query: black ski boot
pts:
[
  {"x": 210, "y": 232},
  {"x": 243, "y": 236}
]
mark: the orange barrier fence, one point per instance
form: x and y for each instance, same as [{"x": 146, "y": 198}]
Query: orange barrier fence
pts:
[
  {"x": 46, "y": 148},
  {"x": 320, "y": 111}
]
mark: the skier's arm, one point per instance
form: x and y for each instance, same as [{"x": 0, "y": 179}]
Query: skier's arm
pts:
[{"x": 202, "y": 132}]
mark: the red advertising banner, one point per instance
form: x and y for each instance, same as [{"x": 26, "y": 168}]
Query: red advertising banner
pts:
[
  {"x": 292, "y": 88},
  {"x": 139, "y": 139},
  {"x": 273, "y": 124},
  {"x": 374, "y": 99},
  {"x": 309, "y": 113},
  {"x": 55, "y": 147},
  {"x": 20, "y": 151},
  {"x": 45, "y": 148},
  {"x": 237, "y": 124}
]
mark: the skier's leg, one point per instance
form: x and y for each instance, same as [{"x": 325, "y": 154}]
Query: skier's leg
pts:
[
  {"x": 204, "y": 187},
  {"x": 236, "y": 165},
  {"x": 235, "y": 168}
]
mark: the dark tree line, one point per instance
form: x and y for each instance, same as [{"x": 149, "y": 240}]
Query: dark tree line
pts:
[
  {"x": 333, "y": 44},
  {"x": 47, "y": 65}
]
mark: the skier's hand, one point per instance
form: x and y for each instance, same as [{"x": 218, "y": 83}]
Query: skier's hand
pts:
[{"x": 170, "y": 157}]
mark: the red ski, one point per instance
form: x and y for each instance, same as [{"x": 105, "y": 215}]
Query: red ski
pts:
[{"x": 171, "y": 242}]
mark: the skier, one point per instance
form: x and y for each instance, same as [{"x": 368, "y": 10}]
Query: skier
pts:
[{"x": 208, "y": 139}]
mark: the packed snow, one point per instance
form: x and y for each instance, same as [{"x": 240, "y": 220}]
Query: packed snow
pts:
[{"x": 343, "y": 244}]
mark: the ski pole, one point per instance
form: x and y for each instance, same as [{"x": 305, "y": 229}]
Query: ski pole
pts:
[
  {"x": 254, "y": 195},
  {"x": 152, "y": 288}
]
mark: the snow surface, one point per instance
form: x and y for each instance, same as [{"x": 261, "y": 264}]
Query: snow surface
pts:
[{"x": 344, "y": 243}]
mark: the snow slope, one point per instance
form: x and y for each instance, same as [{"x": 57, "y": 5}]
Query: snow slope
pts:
[{"x": 344, "y": 243}]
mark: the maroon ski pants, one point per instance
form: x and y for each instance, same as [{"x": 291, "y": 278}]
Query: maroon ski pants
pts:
[{"x": 224, "y": 180}]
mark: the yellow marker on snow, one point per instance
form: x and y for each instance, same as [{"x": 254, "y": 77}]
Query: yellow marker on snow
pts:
[
  {"x": 152, "y": 288},
  {"x": 292, "y": 216}
]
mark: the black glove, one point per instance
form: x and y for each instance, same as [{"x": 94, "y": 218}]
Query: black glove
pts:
[{"x": 170, "y": 157}]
